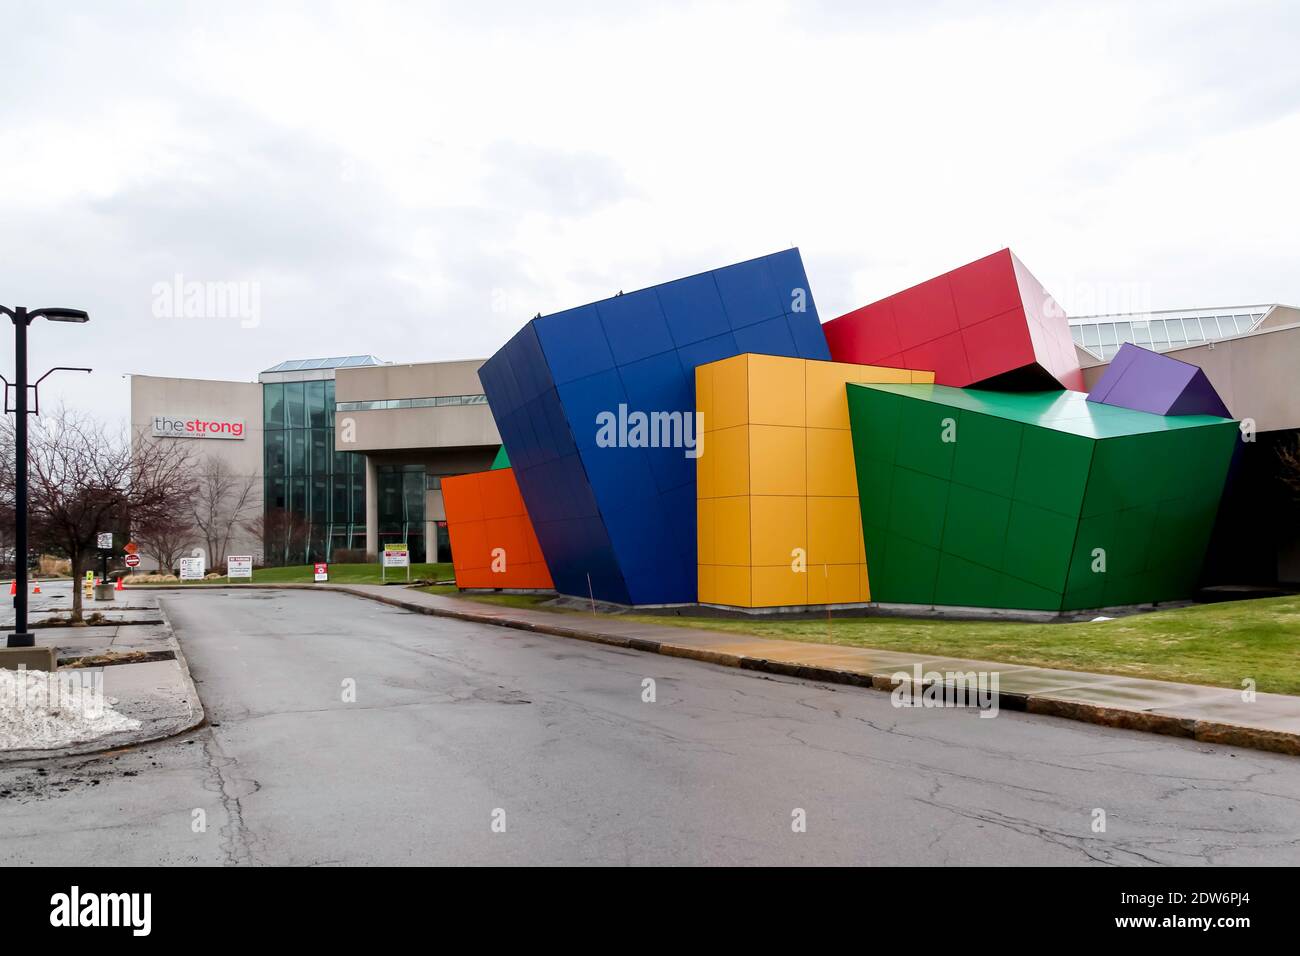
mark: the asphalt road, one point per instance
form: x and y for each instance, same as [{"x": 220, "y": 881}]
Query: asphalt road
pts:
[{"x": 455, "y": 725}]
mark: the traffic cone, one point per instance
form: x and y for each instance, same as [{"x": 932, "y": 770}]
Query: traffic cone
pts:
[
  {"x": 13, "y": 587},
  {"x": 118, "y": 585},
  {"x": 36, "y": 589}
]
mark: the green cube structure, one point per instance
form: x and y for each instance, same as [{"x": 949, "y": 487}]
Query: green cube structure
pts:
[{"x": 1040, "y": 500}]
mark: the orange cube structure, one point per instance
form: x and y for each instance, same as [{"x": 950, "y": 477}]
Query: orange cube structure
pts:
[{"x": 493, "y": 544}]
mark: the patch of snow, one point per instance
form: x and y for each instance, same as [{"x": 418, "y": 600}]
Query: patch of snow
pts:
[
  {"x": 1101, "y": 617},
  {"x": 42, "y": 710}
]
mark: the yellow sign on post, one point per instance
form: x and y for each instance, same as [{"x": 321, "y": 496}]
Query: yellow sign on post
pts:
[{"x": 88, "y": 585}]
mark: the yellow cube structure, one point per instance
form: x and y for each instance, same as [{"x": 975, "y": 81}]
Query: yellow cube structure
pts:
[{"x": 777, "y": 494}]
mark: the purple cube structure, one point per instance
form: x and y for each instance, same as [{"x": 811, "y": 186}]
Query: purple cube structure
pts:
[{"x": 1147, "y": 381}]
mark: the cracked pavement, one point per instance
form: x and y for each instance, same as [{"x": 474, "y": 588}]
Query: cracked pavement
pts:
[{"x": 455, "y": 720}]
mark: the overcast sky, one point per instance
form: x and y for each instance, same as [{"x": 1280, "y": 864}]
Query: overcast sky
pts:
[{"x": 417, "y": 181}]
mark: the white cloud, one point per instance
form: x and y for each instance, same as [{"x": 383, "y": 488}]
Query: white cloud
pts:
[{"x": 417, "y": 182}]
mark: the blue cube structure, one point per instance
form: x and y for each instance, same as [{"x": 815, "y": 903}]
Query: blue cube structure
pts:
[{"x": 617, "y": 521}]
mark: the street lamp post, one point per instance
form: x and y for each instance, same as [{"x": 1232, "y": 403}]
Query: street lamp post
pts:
[{"x": 21, "y": 318}]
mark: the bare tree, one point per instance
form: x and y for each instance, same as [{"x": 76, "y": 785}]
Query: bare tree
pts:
[
  {"x": 82, "y": 480},
  {"x": 1288, "y": 459},
  {"x": 281, "y": 532},
  {"x": 165, "y": 539},
  {"x": 223, "y": 501},
  {"x": 8, "y": 526},
  {"x": 8, "y": 546}
]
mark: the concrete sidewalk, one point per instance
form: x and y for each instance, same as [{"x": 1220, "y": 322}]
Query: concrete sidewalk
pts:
[
  {"x": 160, "y": 694},
  {"x": 1209, "y": 714},
  {"x": 55, "y": 602}
]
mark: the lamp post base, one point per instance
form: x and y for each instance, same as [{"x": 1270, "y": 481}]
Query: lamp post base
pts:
[{"x": 22, "y": 639}]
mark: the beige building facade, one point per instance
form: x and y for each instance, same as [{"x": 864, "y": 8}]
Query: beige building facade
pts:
[
  {"x": 220, "y": 426},
  {"x": 414, "y": 424},
  {"x": 1256, "y": 375},
  {"x": 343, "y": 454}
]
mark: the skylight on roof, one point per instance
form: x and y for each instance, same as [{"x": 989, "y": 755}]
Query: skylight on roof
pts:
[{"x": 335, "y": 361}]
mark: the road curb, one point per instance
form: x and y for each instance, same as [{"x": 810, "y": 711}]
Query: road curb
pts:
[
  {"x": 1213, "y": 732},
  {"x": 92, "y": 748},
  {"x": 1205, "y": 731},
  {"x": 184, "y": 662}
]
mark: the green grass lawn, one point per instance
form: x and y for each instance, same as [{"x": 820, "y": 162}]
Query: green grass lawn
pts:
[
  {"x": 500, "y": 600},
  {"x": 1216, "y": 644},
  {"x": 352, "y": 573}
]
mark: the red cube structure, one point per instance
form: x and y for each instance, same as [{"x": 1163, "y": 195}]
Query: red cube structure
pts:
[
  {"x": 493, "y": 544},
  {"x": 989, "y": 323}
]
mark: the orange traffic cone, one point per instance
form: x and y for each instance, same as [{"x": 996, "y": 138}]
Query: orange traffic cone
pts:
[
  {"x": 118, "y": 585},
  {"x": 36, "y": 589},
  {"x": 13, "y": 587}
]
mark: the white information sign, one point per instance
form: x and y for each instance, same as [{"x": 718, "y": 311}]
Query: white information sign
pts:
[
  {"x": 395, "y": 556},
  {"x": 192, "y": 569},
  {"x": 239, "y": 566}
]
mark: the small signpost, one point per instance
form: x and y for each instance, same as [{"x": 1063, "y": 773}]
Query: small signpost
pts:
[
  {"x": 239, "y": 566},
  {"x": 88, "y": 585},
  {"x": 104, "y": 542},
  {"x": 192, "y": 569},
  {"x": 322, "y": 571},
  {"x": 132, "y": 559},
  {"x": 395, "y": 556}
]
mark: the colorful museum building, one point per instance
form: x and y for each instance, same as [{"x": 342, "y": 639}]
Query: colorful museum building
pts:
[
  {"x": 952, "y": 445},
  {"x": 961, "y": 443}
]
